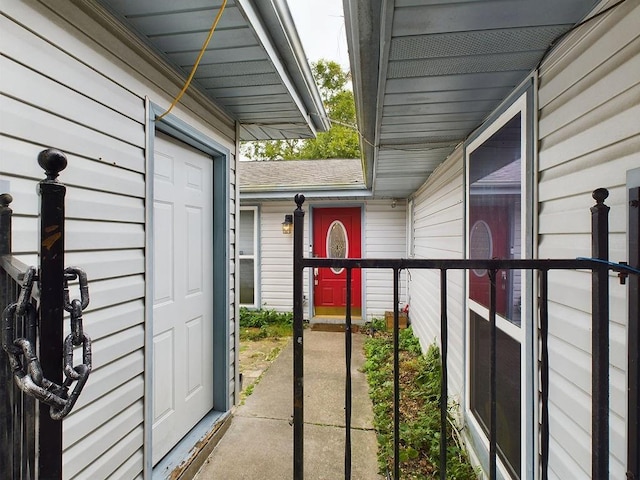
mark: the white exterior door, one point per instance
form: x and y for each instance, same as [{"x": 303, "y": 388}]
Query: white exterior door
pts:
[{"x": 183, "y": 291}]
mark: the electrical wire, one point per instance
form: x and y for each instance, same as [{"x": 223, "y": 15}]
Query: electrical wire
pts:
[
  {"x": 576, "y": 26},
  {"x": 618, "y": 267},
  {"x": 195, "y": 65}
]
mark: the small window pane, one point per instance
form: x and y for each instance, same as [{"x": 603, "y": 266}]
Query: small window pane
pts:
[
  {"x": 247, "y": 290},
  {"x": 495, "y": 173},
  {"x": 247, "y": 233},
  {"x": 337, "y": 243},
  {"x": 508, "y": 389}
]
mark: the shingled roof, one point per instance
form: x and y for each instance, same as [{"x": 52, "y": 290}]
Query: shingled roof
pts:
[{"x": 289, "y": 175}]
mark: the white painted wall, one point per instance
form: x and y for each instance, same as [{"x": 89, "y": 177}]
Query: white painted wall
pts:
[
  {"x": 589, "y": 137},
  {"x": 384, "y": 232},
  {"x": 438, "y": 232},
  {"x": 276, "y": 257},
  {"x": 589, "y": 101},
  {"x": 385, "y": 236},
  {"x": 69, "y": 83}
]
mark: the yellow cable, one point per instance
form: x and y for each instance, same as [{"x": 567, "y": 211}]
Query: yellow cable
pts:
[{"x": 195, "y": 66}]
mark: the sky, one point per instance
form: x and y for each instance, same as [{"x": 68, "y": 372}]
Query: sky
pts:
[{"x": 320, "y": 25}]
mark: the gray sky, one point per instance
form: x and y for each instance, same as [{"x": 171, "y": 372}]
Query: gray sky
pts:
[{"x": 320, "y": 25}]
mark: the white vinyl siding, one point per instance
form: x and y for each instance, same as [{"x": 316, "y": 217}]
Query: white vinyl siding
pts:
[
  {"x": 384, "y": 237},
  {"x": 438, "y": 232},
  {"x": 276, "y": 257},
  {"x": 84, "y": 93},
  {"x": 589, "y": 102}
]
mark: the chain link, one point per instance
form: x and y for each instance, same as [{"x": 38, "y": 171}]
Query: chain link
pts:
[{"x": 28, "y": 372}]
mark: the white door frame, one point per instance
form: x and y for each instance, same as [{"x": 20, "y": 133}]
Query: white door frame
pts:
[
  {"x": 521, "y": 100},
  {"x": 221, "y": 157}
]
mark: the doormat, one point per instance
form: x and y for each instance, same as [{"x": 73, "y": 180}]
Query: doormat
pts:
[{"x": 332, "y": 327}]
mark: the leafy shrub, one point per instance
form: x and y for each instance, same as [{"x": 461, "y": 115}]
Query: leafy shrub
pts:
[
  {"x": 263, "y": 323},
  {"x": 419, "y": 407},
  {"x": 262, "y": 317},
  {"x": 376, "y": 325}
]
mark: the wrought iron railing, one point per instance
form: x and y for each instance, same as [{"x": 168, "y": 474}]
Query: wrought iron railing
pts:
[
  {"x": 34, "y": 356},
  {"x": 17, "y": 410},
  {"x": 599, "y": 265}
]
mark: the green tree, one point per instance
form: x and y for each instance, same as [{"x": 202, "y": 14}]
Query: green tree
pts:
[{"x": 340, "y": 141}]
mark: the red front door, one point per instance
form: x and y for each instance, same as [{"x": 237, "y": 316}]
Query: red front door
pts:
[{"x": 336, "y": 234}]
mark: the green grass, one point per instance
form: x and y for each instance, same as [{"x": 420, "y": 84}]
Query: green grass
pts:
[
  {"x": 264, "y": 323},
  {"x": 419, "y": 407}
]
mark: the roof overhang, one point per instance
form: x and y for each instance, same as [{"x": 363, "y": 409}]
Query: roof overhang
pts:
[
  {"x": 331, "y": 179},
  {"x": 254, "y": 68},
  {"x": 310, "y": 193},
  {"x": 427, "y": 74}
]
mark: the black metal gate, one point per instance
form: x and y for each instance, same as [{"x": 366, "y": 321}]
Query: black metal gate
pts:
[
  {"x": 35, "y": 355},
  {"x": 599, "y": 265}
]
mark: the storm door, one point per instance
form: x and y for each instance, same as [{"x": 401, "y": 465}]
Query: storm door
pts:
[{"x": 496, "y": 212}]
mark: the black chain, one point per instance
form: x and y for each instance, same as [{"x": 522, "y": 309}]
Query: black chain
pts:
[{"x": 28, "y": 372}]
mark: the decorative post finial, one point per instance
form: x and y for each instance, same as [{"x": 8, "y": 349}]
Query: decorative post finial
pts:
[
  {"x": 5, "y": 200},
  {"x": 299, "y": 199},
  {"x": 600, "y": 195},
  {"x": 53, "y": 162}
]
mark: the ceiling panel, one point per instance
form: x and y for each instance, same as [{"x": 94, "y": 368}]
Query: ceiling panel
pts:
[
  {"x": 197, "y": 20},
  {"x": 253, "y": 59},
  {"x": 431, "y": 71},
  {"x": 466, "y": 16},
  {"x": 488, "y": 93}
]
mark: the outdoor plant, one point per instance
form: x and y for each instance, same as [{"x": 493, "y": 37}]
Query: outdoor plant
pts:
[
  {"x": 419, "y": 408},
  {"x": 263, "y": 323}
]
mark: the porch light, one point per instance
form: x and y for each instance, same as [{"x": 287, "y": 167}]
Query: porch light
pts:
[{"x": 287, "y": 225}]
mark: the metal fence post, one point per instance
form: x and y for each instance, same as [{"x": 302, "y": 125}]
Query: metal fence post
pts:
[
  {"x": 600, "y": 338},
  {"x": 7, "y": 468},
  {"x": 5, "y": 223},
  {"x": 633, "y": 339},
  {"x": 298, "y": 328},
  {"x": 51, "y": 278}
]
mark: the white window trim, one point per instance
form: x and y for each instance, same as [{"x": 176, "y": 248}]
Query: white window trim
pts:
[
  {"x": 518, "y": 106},
  {"x": 254, "y": 257}
]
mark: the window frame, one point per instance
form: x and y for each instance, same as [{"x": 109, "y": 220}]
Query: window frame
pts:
[
  {"x": 521, "y": 101},
  {"x": 254, "y": 257}
]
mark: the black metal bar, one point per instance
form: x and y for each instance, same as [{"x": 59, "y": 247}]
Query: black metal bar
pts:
[
  {"x": 600, "y": 338},
  {"x": 51, "y": 278},
  {"x": 15, "y": 269},
  {"x": 633, "y": 340},
  {"x": 544, "y": 370},
  {"x": 298, "y": 329},
  {"x": 458, "y": 264},
  {"x": 396, "y": 377},
  {"x": 8, "y": 467},
  {"x": 493, "y": 379},
  {"x": 599, "y": 265},
  {"x": 5, "y": 223},
  {"x": 347, "y": 392},
  {"x": 444, "y": 395}
]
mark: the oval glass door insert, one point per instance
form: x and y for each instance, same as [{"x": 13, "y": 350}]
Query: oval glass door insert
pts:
[
  {"x": 337, "y": 243},
  {"x": 481, "y": 244}
]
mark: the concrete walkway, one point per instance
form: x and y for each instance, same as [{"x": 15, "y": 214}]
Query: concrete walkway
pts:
[{"x": 259, "y": 442}]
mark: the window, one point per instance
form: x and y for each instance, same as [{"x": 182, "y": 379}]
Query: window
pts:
[
  {"x": 496, "y": 213},
  {"x": 247, "y": 245}
]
